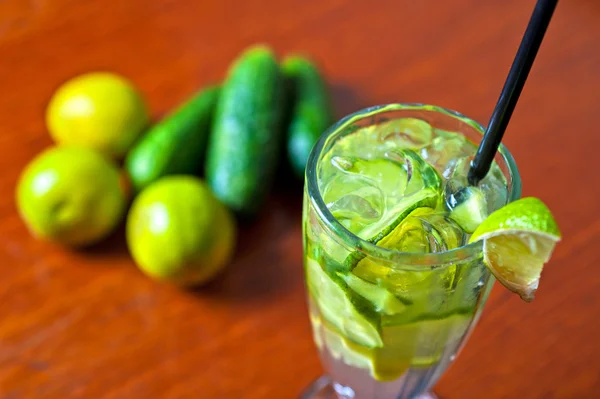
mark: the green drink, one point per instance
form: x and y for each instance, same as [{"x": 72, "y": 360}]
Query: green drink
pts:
[{"x": 394, "y": 286}]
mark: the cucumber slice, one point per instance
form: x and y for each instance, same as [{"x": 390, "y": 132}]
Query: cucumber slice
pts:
[
  {"x": 349, "y": 352},
  {"x": 351, "y": 314},
  {"x": 419, "y": 344},
  {"x": 383, "y": 301}
]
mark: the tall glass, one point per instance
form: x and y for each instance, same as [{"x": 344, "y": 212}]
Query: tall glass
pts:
[{"x": 399, "y": 348}]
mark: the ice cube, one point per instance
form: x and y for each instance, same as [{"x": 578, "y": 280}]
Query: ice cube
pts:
[
  {"x": 363, "y": 142},
  {"x": 467, "y": 204},
  {"x": 420, "y": 175},
  {"x": 495, "y": 188},
  {"x": 492, "y": 188},
  {"x": 353, "y": 210},
  {"x": 424, "y": 231},
  {"x": 446, "y": 150},
  {"x": 354, "y": 200},
  {"x": 427, "y": 231},
  {"x": 409, "y": 133},
  {"x": 387, "y": 173}
]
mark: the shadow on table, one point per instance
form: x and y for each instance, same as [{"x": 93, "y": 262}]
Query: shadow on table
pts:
[
  {"x": 112, "y": 247},
  {"x": 345, "y": 99},
  {"x": 268, "y": 259}
]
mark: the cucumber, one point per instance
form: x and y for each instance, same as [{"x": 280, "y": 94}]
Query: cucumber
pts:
[
  {"x": 311, "y": 112},
  {"x": 244, "y": 143},
  {"x": 354, "y": 316},
  {"x": 176, "y": 144},
  {"x": 383, "y": 301}
]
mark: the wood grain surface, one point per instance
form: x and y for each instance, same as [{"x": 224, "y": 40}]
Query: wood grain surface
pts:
[{"x": 89, "y": 325}]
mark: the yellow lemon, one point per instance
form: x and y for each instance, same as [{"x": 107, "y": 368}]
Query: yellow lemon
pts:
[{"x": 99, "y": 110}]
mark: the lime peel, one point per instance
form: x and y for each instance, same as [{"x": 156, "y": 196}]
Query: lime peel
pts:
[{"x": 518, "y": 240}]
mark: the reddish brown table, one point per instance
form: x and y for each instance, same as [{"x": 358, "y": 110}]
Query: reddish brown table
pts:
[{"x": 90, "y": 325}]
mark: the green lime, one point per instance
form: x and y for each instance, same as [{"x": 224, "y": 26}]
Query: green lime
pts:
[
  {"x": 98, "y": 110},
  {"x": 71, "y": 195},
  {"x": 178, "y": 232},
  {"x": 518, "y": 240}
]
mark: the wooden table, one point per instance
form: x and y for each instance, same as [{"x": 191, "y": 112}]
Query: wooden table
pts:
[{"x": 89, "y": 325}]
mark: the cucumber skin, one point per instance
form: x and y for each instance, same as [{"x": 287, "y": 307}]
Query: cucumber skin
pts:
[
  {"x": 245, "y": 139},
  {"x": 311, "y": 111},
  {"x": 176, "y": 144}
]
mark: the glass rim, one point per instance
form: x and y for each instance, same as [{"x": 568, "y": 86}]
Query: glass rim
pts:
[{"x": 402, "y": 259}]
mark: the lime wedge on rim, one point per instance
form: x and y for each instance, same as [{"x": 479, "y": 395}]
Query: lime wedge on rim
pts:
[{"x": 518, "y": 239}]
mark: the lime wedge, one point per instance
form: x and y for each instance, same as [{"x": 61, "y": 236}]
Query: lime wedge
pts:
[{"x": 518, "y": 240}]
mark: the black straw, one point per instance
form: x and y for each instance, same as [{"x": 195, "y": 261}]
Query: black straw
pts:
[{"x": 512, "y": 89}]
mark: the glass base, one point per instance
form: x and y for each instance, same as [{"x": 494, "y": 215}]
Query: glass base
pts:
[{"x": 324, "y": 388}]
